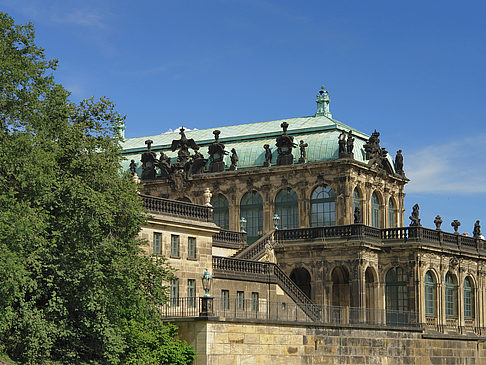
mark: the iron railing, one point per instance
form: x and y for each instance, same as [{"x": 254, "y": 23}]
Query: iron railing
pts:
[
  {"x": 177, "y": 208},
  {"x": 264, "y": 310}
]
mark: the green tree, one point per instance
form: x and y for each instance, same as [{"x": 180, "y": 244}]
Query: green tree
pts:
[{"x": 75, "y": 287}]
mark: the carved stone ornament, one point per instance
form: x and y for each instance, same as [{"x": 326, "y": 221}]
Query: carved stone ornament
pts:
[
  {"x": 216, "y": 154},
  {"x": 207, "y": 197},
  {"x": 133, "y": 167},
  {"x": 357, "y": 215},
  {"x": 346, "y": 145},
  {"x": 183, "y": 144},
  {"x": 414, "y": 218},
  {"x": 438, "y": 222},
  {"x": 456, "y": 224},
  {"x": 285, "y": 144},
  {"x": 377, "y": 155},
  {"x": 148, "y": 162}
]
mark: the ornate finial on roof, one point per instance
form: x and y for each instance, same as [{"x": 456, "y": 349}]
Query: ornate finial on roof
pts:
[
  {"x": 216, "y": 134},
  {"x": 323, "y": 100}
]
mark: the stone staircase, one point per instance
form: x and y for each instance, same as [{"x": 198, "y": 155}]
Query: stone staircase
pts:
[{"x": 256, "y": 250}]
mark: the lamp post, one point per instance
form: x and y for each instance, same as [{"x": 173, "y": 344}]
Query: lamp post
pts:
[
  {"x": 276, "y": 219},
  {"x": 206, "y": 300},
  {"x": 243, "y": 224}
]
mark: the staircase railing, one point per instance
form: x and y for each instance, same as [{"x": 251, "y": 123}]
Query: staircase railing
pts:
[{"x": 256, "y": 250}]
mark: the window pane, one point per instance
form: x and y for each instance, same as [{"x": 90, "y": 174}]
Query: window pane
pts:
[
  {"x": 323, "y": 208},
  {"x": 191, "y": 248},
  {"x": 251, "y": 208},
  {"x": 191, "y": 293},
  {"x": 287, "y": 208},
  {"x": 174, "y": 247},
  {"x": 392, "y": 214},
  {"x": 225, "y": 299},
  {"x": 157, "y": 243},
  {"x": 451, "y": 296},
  {"x": 254, "y": 302},
  {"x": 174, "y": 292},
  {"x": 468, "y": 299},
  {"x": 220, "y": 211},
  {"x": 396, "y": 290},
  {"x": 375, "y": 211},
  {"x": 240, "y": 300},
  {"x": 429, "y": 294}
]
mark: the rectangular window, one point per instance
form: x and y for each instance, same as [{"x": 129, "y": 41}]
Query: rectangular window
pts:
[
  {"x": 240, "y": 300},
  {"x": 225, "y": 299},
  {"x": 254, "y": 302},
  {"x": 429, "y": 300},
  {"x": 191, "y": 293},
  {"x": 157, "y": 242},
  {"x": 174, "y": 292},
  {"x": 191, "y": 248},
  {"x": 174, "y": 245},
  {"x": 451, "y": 302}
]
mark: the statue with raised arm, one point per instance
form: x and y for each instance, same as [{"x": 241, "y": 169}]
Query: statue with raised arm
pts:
[{"x": 303, "y": 155}]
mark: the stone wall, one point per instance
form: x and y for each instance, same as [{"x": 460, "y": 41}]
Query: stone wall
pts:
[{"x": 222, "y": 343}]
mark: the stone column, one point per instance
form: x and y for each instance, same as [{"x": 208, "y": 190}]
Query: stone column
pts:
[
  {"x": 441, "y": 317},
  {"x": 234, "y": 214},
  {"x": 401, "y": 209},
  {"x": 304, "y": 207},
  {"x": 460, "y": 302}
]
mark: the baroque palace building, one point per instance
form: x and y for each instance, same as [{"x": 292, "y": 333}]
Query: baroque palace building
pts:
[{"x": 301, "y": 225}]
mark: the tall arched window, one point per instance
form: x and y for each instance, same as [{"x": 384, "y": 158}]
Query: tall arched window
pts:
[
  {"x": 323, "y": 207},
  {"x": 375, "y": 211},
  {"x": 468, "y": 298},
  {"x": 220, "y": 211},
  {"x": 430, "y": 299},
  {"x": 287, "y": 208},
  {"x": 396, "y": 292},
  {"x": 392, "y": 214},
  {"x": 451, "y": 296},
  {"x": 357, "y": 204},
  {"x": 251, "y": 208}
]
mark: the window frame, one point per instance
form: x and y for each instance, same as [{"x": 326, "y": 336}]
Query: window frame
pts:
[
  {"x": 322, "y": 209},
  {"x": 157, "y": 243},
  {"x": 191, "y": 248},
  {"x": 175, "y": 243}
]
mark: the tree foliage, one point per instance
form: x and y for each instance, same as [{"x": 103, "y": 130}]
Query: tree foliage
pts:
[{"x": 74, "y": 285}]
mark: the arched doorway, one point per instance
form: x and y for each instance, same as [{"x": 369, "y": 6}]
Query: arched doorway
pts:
[
  {"x": 302, "y": 279},
  {"x": 340, "y": 287},
  {"x": 371, "y": 295}
]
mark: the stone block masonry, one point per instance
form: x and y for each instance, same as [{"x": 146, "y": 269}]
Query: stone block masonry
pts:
[{"x": 228, "y": 343}]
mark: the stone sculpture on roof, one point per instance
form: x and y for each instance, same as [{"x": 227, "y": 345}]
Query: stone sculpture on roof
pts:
[
  {"x": 183, "y": 145},
  {"x": 285, "y": 144},
  {"x": 414, "y": 218},
  {"x": 148, "y": 160},
  {"x": 268, "y": 156},
  {"x": 303, "y": 155},
  {"x": 477, "y": 230},
  {"x": 376, "y": 154},
  {"x": 216, "y": 154},
  {"x": 399, "y": 163},
  {"x": 234, "y": 160}
]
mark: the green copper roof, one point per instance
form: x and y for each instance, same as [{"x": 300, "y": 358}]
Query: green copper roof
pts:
[{"x": 319, "y": 132}]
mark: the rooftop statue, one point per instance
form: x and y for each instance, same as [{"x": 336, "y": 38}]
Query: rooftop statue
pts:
[
  {"x": 376, "y": 154},
  {"x": 268, "y": 156},
  {"x": 234, "y": 160},
  {"x": 399, "y": 163},
  {"x": 477, "y": 230},
  {"x": 183, "y": 145},
  {"x": 195, "y": 165},
  {"x": 303, "y": 155},
  {"x": 414, "y": 218},
  {"x": 342, "y": 143},
  {"x": 133, "y": 167},
  {"x": 350, "y": 143},
  {"x": 164, "y": 165},
  {"x": 216, "y": 154},
  {"x": 285, "y": 144},
  {"x": 148, "y": 160}
]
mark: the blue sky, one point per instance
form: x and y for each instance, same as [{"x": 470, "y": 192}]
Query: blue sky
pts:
[{"x": 413, "y": 70}]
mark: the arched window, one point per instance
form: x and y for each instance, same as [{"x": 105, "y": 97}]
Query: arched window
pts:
[
  {"x": 287, "y": 208},
  {"x": 396, "y": 292},
  {"x": 392, "y": 214},
  {"x": 184, "y": 199},
  {"x": 323, "y": 207},
  {"x": 302, "y": 279},
  {"x": 220, "y": 211},
  {"x": 357, "y": 204},
  {"x": 468, "y": 298},
  {"x": 251, "y": 208},
  {"x": 375, "y": 211},
  {"x": 430, "y": 299},
  {"x": 451, "y": 296}
]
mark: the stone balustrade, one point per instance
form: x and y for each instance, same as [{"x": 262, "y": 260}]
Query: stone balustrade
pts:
[
  {"x": 231, "y": 239},
  {"x": 177, "y": 208}
]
